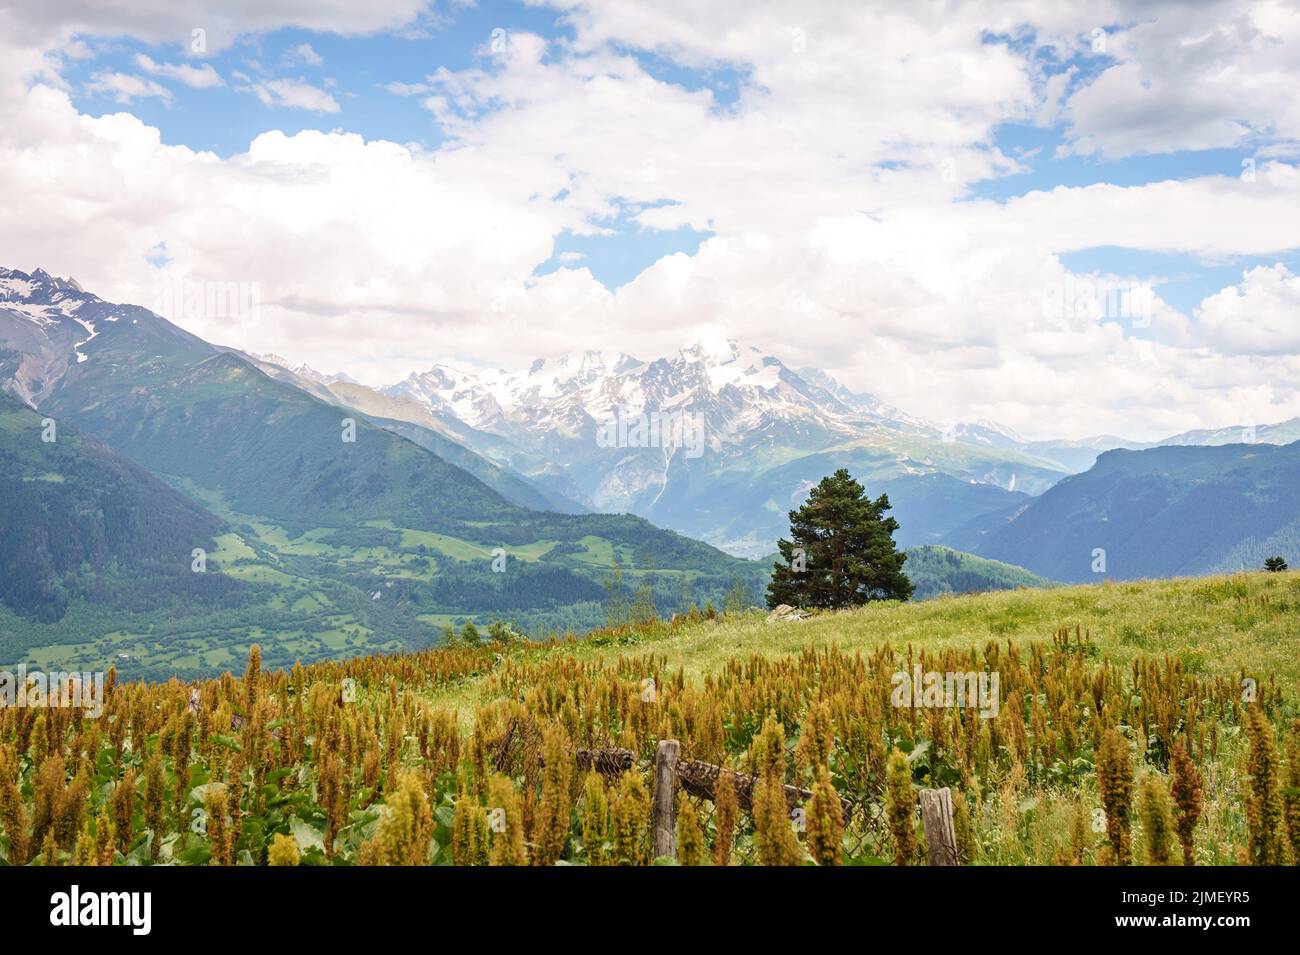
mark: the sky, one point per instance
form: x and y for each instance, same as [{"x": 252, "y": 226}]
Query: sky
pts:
[{"x": 1070, "y": 219}]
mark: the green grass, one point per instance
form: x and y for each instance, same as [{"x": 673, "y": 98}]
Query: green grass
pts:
[
  {"x": 230, "y": 548},
  {"x": 1216, "y": 625}
]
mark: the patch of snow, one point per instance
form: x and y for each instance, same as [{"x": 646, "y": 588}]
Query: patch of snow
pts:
[
  {"x": 40, "y": 314},
  {"x": 88, "y": 326},
  {"x": 15, "y": 288}
]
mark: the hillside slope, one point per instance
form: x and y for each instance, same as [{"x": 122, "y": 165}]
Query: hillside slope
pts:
[
  {"x": 355, "y": 536},
  {"x": 81, "y": 521},
  {"x": 1217, "y": 626},
  {"x": 939, "y": 570},
  {"x": 1161, "y": 512}
]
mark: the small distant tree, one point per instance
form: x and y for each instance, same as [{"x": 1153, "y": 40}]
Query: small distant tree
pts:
[
  {"x": 469, "y": 635},
  {"x": 1275, "y": 564},
  {"x": 841, "y": 550},
  {"x": 643, "y": 609},
  {"x": 617, "y": 609},
  {"x": 502, "y": 632},
  {"x": 738, "y": 598}
]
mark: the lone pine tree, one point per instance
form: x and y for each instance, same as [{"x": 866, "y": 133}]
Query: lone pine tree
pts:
[{"x": 841, "y": 550}]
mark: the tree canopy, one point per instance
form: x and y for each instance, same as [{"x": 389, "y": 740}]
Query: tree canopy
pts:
[{"x": 841, "y": 550}]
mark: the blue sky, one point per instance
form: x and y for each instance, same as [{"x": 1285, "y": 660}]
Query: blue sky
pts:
[
  {"x": 355, "y": 69},
  {"x": 358, "y": 73}
]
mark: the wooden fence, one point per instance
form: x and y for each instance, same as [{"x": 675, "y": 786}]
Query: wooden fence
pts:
[{"x": 701, "y": 779}]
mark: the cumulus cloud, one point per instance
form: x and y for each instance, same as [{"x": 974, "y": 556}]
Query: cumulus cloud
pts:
[
  {"x": 1258, "y": 316},
  {"x": 834, "y": 184},
  {"x": 303, "y": 53},
  {"x": 221, "y": 22},
  {"x": 1191, "y": 76}
]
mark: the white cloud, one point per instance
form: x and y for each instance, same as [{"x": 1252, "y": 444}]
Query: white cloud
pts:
[
  {"x": 406, "y": 89},
  {"x": 835, "y": 187},
  {"x": 1258, "y": 316},
  {"x": 1191, "y": 76},
  {"x": 126, "y": 87},
  {"x": 303, "y": 53},
  {"x": 199, "y": 77},
  {"x": 294, "y": 94},
  {"x": 222, "y": 22}
]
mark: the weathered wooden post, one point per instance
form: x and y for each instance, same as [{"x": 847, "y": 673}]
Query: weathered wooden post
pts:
[
  {"x": 940, "y": 838},
  {"x": 665, "y": 817}
]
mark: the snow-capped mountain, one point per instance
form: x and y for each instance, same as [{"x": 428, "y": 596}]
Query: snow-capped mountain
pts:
[
  {"x": 303, "y": 370},
  {"x": 51, "y": 325},
  {"x": 717, "y": 440},
  {"x": 739, "y": 391},
  {"x": 985, "y": 432}
]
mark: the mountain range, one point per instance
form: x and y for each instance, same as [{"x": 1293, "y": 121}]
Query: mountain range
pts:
[
  {"x": 339, "y": 517},
  {"x": 346, "y": 531},
  {"x": 1165, "y": 512},
  {"x": 767, "y": 434}
]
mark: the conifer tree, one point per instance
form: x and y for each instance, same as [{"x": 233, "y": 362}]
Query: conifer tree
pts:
[{"x": 841, "y": 550}]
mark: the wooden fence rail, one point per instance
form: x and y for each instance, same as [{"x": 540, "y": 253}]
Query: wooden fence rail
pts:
[{"x": 700, "y": 779}]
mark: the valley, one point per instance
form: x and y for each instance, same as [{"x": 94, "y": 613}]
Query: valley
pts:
[{"x": 333, "y": 519}]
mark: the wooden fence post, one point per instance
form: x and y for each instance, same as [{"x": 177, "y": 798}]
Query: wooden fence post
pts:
[
  {"x": 665, "y": 817},
  {"x": 940, "y": 839}
]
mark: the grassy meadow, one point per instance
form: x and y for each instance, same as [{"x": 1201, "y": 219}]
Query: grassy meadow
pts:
[{"x": 1124, "y": 734}]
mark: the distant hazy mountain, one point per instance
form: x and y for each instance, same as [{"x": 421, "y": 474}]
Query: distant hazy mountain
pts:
[
  {"x": 1283, "y": 432},
  {"x": 1160, "y": 512},
  {"x": 1081, "y": 454},
  {"x": 767, "y": 433},
  {"x": 760, "y": 435}
]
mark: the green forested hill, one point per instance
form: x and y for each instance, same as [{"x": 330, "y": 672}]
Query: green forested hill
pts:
[
  {"x": 335, "y": 547},
  {"x": 80, "y": 521},
  {"x": 940, "y": 570},
  {"x": 1161, "y": 512}
]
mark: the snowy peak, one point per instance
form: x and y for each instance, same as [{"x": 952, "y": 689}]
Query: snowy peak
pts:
[
  {"x": 722, "y": 362},
  {"x": 985, "y": 432},
  {"x": 714, "y": 351},
  {"x": 445, "y": 390},
  {"x": 303, "y": 370},
  {"x": 551, "y": 378},
  {"x": 742, "y": 393},
  {"x": 40, "y": 288}
]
